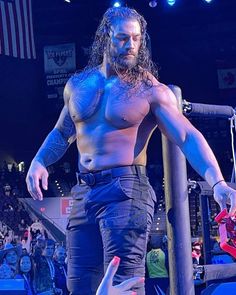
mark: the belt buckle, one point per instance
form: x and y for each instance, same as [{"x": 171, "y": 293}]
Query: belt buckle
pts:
[{"x": 91, "y": 178}]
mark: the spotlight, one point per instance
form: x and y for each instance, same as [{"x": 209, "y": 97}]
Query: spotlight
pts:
[
  {"x": 68, "y": 1},
  {"x": 171, "y": 2},
  {"x": 208, "y": 1},
  {"x": 116, "y": 4},
  {"x": 153, "y": 3}
]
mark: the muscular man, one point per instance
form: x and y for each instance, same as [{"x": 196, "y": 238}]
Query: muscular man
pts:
[{"x": 111, "y": 109}]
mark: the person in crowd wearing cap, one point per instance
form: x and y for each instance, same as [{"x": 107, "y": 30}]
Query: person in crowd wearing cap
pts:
[{"x": 10, "y": 255}]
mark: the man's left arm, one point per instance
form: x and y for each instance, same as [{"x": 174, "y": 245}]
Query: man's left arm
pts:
[{"x": 180, "y": 131}]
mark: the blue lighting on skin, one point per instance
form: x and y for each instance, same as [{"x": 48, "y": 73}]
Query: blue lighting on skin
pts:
[
  {"x": 117, "y": 4},
  {"x": 171, "y": 2}
]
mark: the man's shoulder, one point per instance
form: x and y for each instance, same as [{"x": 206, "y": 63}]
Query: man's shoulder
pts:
[
  {"x": 160, "y": 93},
  {"x": 153, "y": 83},
  {"x": 78, "y": 80},
  {"x": 81, "y": 77},
  {"x": 155, "y": 88}
]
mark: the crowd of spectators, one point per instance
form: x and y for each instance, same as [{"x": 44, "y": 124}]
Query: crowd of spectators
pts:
[
  {"x": 26, "y": 252},
  {"x": 40, "y": 262}
]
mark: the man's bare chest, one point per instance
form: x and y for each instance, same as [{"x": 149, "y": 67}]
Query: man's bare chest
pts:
[{"x": 108, "y": 104}]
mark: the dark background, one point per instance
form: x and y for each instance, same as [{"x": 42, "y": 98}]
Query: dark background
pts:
[{"x": 189, "y": 42}]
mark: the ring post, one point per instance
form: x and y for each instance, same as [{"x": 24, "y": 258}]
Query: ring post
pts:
[{"x": 178, "y": 220}]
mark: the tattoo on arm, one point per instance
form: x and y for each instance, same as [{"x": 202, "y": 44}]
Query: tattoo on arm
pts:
[{"x": 57, "y": 142}]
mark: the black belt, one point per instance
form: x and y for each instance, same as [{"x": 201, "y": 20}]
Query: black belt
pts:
[{"x": 92, "y": 178}]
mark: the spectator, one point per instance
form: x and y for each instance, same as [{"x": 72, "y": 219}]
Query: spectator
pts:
[
  {"x": 60, "y": 269},
  {"x": 26, "y": 272},
  {"x": 10, "y": 255},
  {"x": 26, "y": 241},
  {"x": 45, "y": 269},
  {"x": 197, "y": 253},
  {"x": 22, "y": 226},
  {"x": 157, "y": 265}
]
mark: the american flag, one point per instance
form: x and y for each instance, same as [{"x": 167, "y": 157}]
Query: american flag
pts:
[{"x": 16, "y": 29}]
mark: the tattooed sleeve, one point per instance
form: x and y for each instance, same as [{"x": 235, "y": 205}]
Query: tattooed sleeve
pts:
[{"x": 57, "y": 141}]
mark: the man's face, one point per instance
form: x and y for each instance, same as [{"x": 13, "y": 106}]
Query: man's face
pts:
[
  {"x": 125, "y": 43},
  {"x": 40, "y": 243},
  {"x": 49, "y": 251},
  {"x": 60, "y": 255}
]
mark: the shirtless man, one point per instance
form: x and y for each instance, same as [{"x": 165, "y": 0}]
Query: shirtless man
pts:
[{"x": 111, "y": 110}]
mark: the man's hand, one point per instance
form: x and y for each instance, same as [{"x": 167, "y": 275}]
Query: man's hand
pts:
[
  {"x": 223, "y": 195},
  {"x": 106, "y": 287},
  {"x": 37, "y": 173}
]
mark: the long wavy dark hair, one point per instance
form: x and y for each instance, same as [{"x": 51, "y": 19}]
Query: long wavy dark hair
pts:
[
  {"x": 144, "y": 64},
  {"x": 30, "y": 274}
]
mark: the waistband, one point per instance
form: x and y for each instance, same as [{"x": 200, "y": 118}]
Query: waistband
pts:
[{"x": 92, "y": 178}]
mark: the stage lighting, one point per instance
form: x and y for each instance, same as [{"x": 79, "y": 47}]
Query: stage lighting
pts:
[
  {"x": 208, "y": 1},
  {"x": 153, "y": 3},
  {"x": 116, "y": 4},
  {"x": 171, "y": 2},
  {"x": 68, "y": 1}
]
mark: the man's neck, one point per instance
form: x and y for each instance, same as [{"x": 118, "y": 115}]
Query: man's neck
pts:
[{"x": 106, "y": 69}]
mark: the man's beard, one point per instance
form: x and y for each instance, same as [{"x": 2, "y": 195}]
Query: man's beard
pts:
[{"x": 123, "y": 62}]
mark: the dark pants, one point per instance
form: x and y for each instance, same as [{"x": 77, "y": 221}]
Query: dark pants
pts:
[{"x": 111, "y": 217}]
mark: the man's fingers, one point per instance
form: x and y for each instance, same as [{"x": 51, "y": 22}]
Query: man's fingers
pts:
[
  {"x": 223, "y": 205},
  {"x": 30, "y": 189},
  {"x": 34, "y": 189},
  {"x": 45, "y": 181},
  {"x": 232, "y": 196},
  {"x": 128, "y": 284},
  {"x": 221, "y": 199}
]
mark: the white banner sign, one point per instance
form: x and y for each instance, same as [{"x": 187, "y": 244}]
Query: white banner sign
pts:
[{"x": 59, "y": 65}]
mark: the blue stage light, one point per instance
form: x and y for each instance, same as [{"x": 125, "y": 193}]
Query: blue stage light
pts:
[
  {"x": 116, "y": 4},
  {"x": 171, "y": 2},
  {"x": 208, "y": 1},
  {"x": 153, "y": 3}
]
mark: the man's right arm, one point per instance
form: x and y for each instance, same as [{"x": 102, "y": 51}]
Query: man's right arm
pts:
[
  {"x": 57, "y": 141},
  {"x": 52, "y": 149}
]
